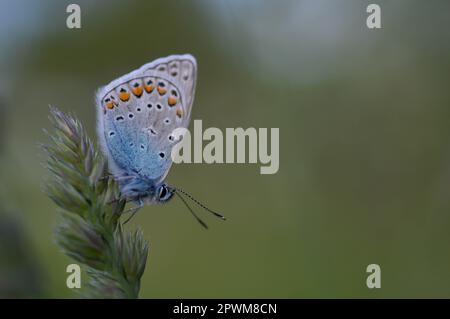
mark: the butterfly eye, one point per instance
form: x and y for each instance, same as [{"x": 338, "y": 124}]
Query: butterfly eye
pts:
[{"x": 162, "y": 192}]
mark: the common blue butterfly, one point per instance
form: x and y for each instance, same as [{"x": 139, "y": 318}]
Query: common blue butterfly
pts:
[{"x": 136, "y": 115}]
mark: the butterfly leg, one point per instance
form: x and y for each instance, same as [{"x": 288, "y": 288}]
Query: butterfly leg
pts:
[
  {"x": 113, "y": 201},
  {"x": 105, "y": 177},
  {"x": 133, "y": 210}
]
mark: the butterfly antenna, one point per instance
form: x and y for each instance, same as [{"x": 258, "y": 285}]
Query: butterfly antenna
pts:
[
  {"x": 198, "y": 203},
  {"x": 192, "y": 212}
]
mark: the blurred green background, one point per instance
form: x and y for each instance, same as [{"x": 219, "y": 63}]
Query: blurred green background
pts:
[{"x": 364, "y": 143}]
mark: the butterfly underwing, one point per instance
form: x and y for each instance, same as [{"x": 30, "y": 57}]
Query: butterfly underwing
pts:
[{"x": 136, "y": 116}]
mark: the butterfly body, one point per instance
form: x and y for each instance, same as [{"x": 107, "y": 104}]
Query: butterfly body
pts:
[{"x": 136, "y": 115}]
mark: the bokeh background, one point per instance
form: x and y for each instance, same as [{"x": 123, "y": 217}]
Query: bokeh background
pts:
[{"x": 364, "y": 143}]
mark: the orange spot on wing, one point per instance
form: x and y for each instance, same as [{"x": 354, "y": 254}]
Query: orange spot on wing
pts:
[
  {"x": 172, "y": 101},
  {"x": 179, "y": 113},
  {"x": 124, "y": 96},
  {"x": 161, "y": 90},
  {"x": 110, "y": 105},
  {"x": 137, "y": 91},
  {"x": 149, "y": 88}
]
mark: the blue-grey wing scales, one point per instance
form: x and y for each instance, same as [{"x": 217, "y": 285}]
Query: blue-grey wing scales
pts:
[{"x": 138, "y": 112}]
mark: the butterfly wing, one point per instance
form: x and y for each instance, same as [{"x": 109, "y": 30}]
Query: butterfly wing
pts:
[{"x": 138, "y": 112}]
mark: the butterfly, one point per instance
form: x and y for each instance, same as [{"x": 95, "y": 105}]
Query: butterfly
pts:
[{"x": 136, "y": 117}]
